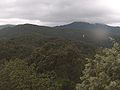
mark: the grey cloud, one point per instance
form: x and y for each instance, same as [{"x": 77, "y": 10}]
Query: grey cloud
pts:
[{"x": 56, "y": 11}]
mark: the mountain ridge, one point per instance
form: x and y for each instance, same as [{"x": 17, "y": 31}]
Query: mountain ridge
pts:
[{"x": 76, "y": 31}]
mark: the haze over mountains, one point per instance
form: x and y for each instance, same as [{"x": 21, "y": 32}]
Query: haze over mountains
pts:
[
  {"x": 6, "y": 26},
  {"x": 74, "y": 31}
]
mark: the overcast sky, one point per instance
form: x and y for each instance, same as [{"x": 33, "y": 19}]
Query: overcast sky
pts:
[{"x": 56, "y": 12}]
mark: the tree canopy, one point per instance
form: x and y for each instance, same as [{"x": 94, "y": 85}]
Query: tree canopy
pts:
[{"x": 102, "y": 73}]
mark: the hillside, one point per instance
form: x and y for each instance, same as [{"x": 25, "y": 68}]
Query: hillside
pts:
[
  {"x": 6, "y": 26},
  {"x": 99, "y": 34},
  {"x": 50, "y": 58}
]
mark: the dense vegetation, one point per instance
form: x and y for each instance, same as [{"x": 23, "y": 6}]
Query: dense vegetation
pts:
[
  {"x": 52, "y": 62},
  {"x": 102, "y": 72},
  {"x": 54, "y": 58}
]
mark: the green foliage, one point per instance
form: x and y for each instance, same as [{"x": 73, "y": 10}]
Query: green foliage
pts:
[
  {"x": 64, "y": 59},
  {"x": 60, "y": 61},
  {"x": 53, "y": 58},
  {"x": 65, "y": 84},
  {"x": 102, "y": 73},
  {"x": 17, "y": 75}
]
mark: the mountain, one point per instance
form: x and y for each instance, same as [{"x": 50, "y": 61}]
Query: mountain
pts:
[
  {"x": 85, "y": 26},
  {"x": 26, "y": 29},
  {"x": 53, "y": 57},
  {"x": 88, "y": 26},
  {"x": 6, "y": 26},
  {"x": 77, "y": 32},
  {"x": 82, "y": 25}
]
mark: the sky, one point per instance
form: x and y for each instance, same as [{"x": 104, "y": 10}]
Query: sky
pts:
[{"x": 58, "y": 12}]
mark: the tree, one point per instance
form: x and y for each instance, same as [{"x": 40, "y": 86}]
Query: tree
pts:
[
  {"x": 17, "y": 75},
  {"x": 102, "y": 73},
  {"x": 63, "y": 59}
]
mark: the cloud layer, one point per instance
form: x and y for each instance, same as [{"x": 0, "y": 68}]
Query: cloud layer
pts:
[{"x": 54, "y": 12}]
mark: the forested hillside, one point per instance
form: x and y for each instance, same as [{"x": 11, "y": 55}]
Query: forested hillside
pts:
[{"x": 54, "y": 58}]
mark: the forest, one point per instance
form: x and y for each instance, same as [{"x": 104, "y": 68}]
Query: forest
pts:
[{"x": 59, "y": 58}]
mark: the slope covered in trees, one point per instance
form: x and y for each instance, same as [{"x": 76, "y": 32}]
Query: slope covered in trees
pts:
[
  {"x": 54, "y": 62},
  {"x": 53, "y": 58},
  {"x": 94, "y": 34},
  {"x": 102, "y": 72}
]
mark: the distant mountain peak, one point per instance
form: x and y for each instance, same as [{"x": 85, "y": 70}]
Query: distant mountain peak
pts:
[
  {"x": 6, "y": 26},
  {"x": 83, "y": 25},
  {"x": 77, "y": 22}
]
